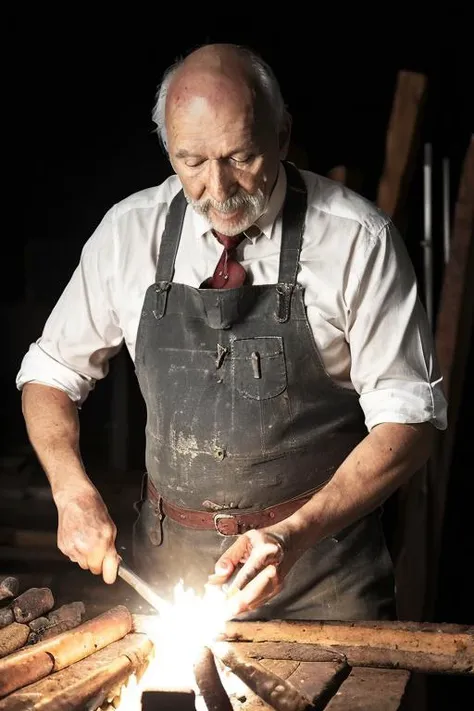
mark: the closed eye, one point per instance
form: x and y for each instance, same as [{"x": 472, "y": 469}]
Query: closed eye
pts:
[
  {"x": 242, "y": 160},
  {"x": 194, "y": 163}
]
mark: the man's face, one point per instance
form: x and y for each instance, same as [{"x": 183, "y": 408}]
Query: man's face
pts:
[{"x": 226, "y": 158}]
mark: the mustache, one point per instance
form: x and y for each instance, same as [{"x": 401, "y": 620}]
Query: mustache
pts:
[{"x": 235, "y": 202}]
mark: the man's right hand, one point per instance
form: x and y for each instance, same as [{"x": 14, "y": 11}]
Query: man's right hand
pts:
[{"x": 86, "y": 533}]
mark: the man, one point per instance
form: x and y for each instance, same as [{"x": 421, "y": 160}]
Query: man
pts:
[{"x": 281, "y": 412}]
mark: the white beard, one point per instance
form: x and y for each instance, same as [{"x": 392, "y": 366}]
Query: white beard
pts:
[{"x": 254, "y": 206}]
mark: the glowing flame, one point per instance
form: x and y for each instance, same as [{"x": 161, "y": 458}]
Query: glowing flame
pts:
[{"x": 178, "y": 633}]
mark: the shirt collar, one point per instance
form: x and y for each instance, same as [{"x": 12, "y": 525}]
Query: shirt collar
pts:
[{"x": 265, "y": 222}]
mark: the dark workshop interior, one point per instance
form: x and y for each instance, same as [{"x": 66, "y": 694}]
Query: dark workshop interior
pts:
[{"x": 79, "y": 137}]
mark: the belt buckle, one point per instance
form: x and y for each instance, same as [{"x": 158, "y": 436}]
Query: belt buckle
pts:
[{"x": 224, "y": 519}]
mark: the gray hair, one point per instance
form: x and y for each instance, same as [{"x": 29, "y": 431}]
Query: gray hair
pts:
[{"x": 265, "y": 80}]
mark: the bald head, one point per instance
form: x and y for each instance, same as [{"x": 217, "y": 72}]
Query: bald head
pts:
[
  {"x": 214, "y": 79},
  {"x": 221, "y": 72},
  {"x": 222, "y": 120}
]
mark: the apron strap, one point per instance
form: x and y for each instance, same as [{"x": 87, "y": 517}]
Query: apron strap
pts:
[
  {"x": 167, "y": 254},
  {"x": 170, "y": 240},
  {"x": 294, "y": 217}
]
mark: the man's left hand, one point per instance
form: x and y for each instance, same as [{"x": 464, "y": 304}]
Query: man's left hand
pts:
[{"x": 265, "y": 558}]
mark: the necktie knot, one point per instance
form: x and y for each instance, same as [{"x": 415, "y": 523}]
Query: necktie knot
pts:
[
  {"x": 228, "y": 273},
  {"x": 229, "y": 242}
]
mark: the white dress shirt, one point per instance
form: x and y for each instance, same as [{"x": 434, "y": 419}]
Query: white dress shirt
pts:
[{"x": 360, "y": 293}]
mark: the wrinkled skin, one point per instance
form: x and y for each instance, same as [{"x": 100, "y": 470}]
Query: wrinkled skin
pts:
[
  {"x": 260, "y": 561},
  {"x": 86, "y": 533}
]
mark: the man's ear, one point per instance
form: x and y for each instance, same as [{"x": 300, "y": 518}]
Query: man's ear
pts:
[{"x": 284, "y": 137}]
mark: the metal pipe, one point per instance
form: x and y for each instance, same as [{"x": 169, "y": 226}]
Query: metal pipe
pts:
[
  {"x": 446, "y": 210},
  {"x": 427, "y": 242}
]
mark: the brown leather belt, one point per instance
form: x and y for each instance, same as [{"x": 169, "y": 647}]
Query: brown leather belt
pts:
[{"x": 227, "y": 522}]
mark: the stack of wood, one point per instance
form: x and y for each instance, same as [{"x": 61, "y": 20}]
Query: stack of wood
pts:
[
  {"x": 29, "y": 617},
  {"x": 55, "y": 658}
]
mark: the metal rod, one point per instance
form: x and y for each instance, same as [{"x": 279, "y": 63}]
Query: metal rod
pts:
[
  {"x": 141, "y": 587},
  {"x": 446, "y": 210},
  {"x": 428, "y": 242}
]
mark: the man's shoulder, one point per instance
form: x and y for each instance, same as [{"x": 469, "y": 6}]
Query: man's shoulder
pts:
[
  {"x": 341, "y": 203},
  {"x": 155, "y": 197}
]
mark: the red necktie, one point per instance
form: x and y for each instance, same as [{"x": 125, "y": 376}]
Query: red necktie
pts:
[{"x": 228, "y": 273}]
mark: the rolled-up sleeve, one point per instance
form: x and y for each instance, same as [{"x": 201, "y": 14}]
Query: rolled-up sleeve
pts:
[
  {"x": 82, "y": 332},
  {"x": 393, "y": 359}
]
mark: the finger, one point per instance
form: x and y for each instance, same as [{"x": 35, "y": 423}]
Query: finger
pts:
[
  {"x": 76, "y": 557},
  {"x": 82, "y": 562},
  {"x": 263, "y": 587},
  {"x": 110, "y": 566},
  {"x": 95, "y": 559},
  {"x": 227, "y": 563},
  {"x": 263, "y": 555},
  {"x": 221, "y": 574}
]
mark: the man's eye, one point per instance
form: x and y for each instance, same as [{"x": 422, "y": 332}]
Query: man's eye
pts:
[
  {"x": 241, "y": 160},
  {"x": 194, "y": 163}
]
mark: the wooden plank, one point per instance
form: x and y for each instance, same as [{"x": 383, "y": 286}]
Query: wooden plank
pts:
[
  {"x": 318, "y": 681},
  {"x": 427, "y": 638},
  {"x": 371, "y": 690},
  {"x": 401, "y": 144},
  {"x": 361, "y": 656},
  {"x": 453, "y": 339}
]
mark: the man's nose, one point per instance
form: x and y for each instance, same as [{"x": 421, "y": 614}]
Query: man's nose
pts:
[{"x": 221, "y": 183}]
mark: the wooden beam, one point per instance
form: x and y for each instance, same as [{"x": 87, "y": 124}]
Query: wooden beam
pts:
[
  {"x": 360, "y": 656},
  {"x": 454, "y": 644},
  {"x": 401, "y": 144}
]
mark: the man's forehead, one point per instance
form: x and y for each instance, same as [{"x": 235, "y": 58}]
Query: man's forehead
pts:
[
  {"x": 199, "y": 116},
  {"x": 209, "y": 92}
]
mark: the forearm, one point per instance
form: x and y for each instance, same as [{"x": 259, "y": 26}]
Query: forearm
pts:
[
  {"x": 52, "y": 424},
  {"x": 384, "y": 460}
]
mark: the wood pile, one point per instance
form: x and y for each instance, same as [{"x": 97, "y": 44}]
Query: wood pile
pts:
[{"x": 54, "y": 658}]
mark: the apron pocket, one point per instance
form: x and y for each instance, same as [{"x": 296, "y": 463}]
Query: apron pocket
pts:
[{"x": 258, "y": 367}]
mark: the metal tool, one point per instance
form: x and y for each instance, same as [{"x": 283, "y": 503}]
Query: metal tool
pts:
[{"x": 141, "y": 587}]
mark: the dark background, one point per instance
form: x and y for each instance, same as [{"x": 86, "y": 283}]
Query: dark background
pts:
[{"x": 79, "y": 137}]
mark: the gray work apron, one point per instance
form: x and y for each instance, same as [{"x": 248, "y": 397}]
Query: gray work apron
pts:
[{"x": 242, "y": 415}]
